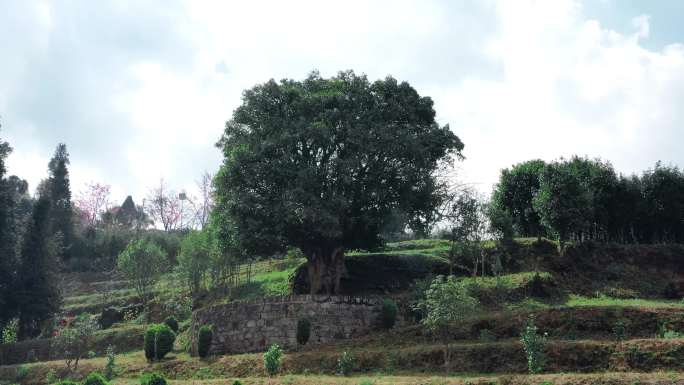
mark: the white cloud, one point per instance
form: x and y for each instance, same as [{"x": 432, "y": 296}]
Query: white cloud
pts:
[
  {"x": 570, "y": 86},
  {"x": 138, "y": 93}
]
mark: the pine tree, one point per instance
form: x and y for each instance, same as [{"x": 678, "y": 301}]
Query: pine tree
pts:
[
  {"x": 38, "y": 297},
  {"x": 60, "y": 199}
]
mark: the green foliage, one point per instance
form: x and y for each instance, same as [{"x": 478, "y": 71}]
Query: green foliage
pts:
[
  {"x": 68, "y": 382},
  {"x": 619, "y": 330},
  {"x": 389, "y": 313},
  {"x": 447, "y": 302},
  {"x": 487, "y": 336},
  {"x": 563, "y": 204},
  {"x": 8, "y": 239},
  {"x": 310, "y": 178},
  {"x": 237, "y": 382},
  {"x": 512, "y": 199},
  {"x": 10, "y": 331},
  {"x": 95, "y": 378},
  {"x": 204, "y": 340},
  {"x": 194, "y": 259},
  {"x": 158, "y": 341},
  {"x": 74, "y": 341},
  {"x": 366, "y": 382},
  {"x": 38, "y": 296},
  {"x": 51, "y": 377},
  {"x": 665, "y": 332},
  {"x": 21, "y": 373},
  {"x": 272, "y": 359},
  {"x": 580, "y": 199},
  {"x": 303, "y": 330},
  {"x": 110, "y": 366},
  {"x": 152, "y": 379},
  {"x": 533, "y": 343},
  {"x": 59, "y": 195},
  {"x": 142, "y": 262},
  {"x": 172, "y": 322},
  {"x": 345, "y": 364},
  {"x": 169, "y": 241}
]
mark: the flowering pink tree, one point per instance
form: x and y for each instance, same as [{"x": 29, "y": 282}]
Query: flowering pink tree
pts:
[{"x": 92, "y": 202}]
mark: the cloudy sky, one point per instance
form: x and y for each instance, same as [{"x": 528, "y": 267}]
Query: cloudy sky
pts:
[{"x": 141, "y": 89}]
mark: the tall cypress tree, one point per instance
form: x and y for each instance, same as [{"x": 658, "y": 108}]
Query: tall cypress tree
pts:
[
  {"x": 60, "y": 199},
  {"x": 7, "y": 239},
  {"x": 37, "y": 296}
]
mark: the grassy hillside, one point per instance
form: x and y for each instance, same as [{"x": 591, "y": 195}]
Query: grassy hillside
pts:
[{"x": 579, "y": 298}]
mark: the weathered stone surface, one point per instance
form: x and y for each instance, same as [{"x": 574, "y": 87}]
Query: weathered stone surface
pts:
[{"x": 242, "y": 327}]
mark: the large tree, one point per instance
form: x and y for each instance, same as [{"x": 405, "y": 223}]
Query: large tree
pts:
[
  {"x": 321, "y": 164},
  {"x": 7, "y": 238},
  {"x": 61, "y": 212},
  {"x": 513, "y": 195},
  {"x": 38, "y": 297}
]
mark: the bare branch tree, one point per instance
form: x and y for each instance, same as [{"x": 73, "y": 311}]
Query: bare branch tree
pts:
[
  {"x": 205, "y": 202},
  {"x": 164, "y": 206}
]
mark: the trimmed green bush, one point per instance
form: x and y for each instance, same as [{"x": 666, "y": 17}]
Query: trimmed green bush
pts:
[
  {"x": 148, "y": 344},
  {"x": 164, "y": 341},
  {"x": 159, "y": 340},
  {"x": 152, "y": 379},
  {"x": 389, "y": 313},
  {"x": 95, "y": 378},
  {"x": 303, "y": 331},
  {"x": 172, "y": 322},
  {"x": 204, "y": 340},
  {"x": 272, "y": 359}
]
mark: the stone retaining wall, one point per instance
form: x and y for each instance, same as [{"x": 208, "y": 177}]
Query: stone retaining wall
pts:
[{"x": 242, "y": 327}]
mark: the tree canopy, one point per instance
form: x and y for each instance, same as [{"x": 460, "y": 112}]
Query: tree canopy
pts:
[
  {"x": 60, "y": 198},
  {"x": 585, "y": 199},
  {"x": 321, "y": 164}
]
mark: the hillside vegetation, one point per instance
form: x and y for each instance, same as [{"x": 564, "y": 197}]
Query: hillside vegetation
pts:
[{"x": 580, "y": 316}]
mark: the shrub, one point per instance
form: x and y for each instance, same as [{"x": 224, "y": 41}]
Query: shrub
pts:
[
  {"x": 51, "y": 377},
  {"x": 164, "y": 341},
  {"x": 110, "y": 367},
  {"x": 237, "y": 382},
  {"x": 142, "y": 262},
  {"x": 389, "y": 313},
  {"x": 152, "y": 379},
  {"x": 95, "y": 378},
  {"x": 172, "y": 322},
  {"x": 272, "y": 359},
  {"x": 193, "y": 259},
  {"x": 345, "y": 364},
  {"x": 619, "y": 330},
  {"x": 67, "y": 382},
  {"x": 204, "y": 341},
  {"x": 665, "y": 332},
  {"x": 75, "y": 340},
  {"x": 9, "y": 332},
  {"x": 533, "y": 344},
  {"x": 303, "y": 331},
  {"x": 22, "y": 372},
  {"x": 159, "y": 340}
]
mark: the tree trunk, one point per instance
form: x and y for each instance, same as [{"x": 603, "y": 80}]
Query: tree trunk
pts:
[{"x": 326, "y": 268}]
